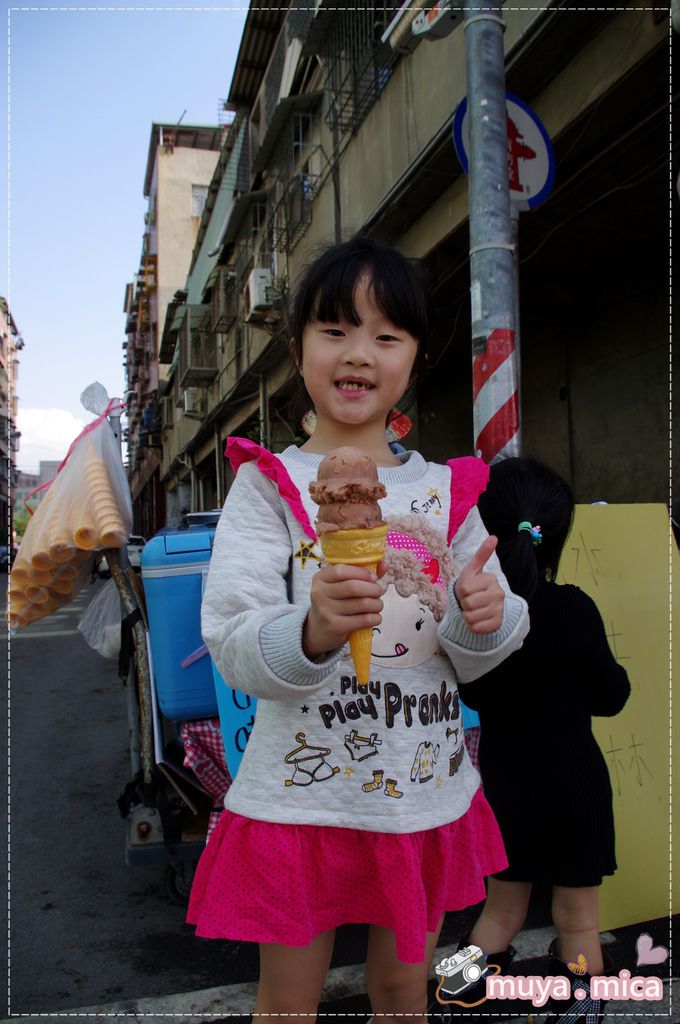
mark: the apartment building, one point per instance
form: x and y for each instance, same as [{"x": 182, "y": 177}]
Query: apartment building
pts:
[
  {"x": 343, "y": 124},
  {"x": 11, "y": 343},
  {"x": 180, "y": 164}
]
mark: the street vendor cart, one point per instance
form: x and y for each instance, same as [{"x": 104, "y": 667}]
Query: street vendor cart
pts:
[{"x": 178, "y": 769}]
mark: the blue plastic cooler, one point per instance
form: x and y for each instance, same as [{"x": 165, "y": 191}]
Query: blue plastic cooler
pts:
[{"x": 174, "y": 568}]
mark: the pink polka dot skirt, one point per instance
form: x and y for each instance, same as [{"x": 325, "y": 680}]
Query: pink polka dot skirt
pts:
[{"x": 261, "y": 881}]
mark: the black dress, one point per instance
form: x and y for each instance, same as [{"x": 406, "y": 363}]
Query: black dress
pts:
[{"x": 542, "y": 770}]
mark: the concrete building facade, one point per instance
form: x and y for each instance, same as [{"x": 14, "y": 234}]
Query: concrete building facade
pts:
[
  {"x": 336, "y": 132},
  {"x": 181, "y": 160}
]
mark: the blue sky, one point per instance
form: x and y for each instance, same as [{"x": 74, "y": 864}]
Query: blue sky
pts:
[{"x": 84, "y": 87}]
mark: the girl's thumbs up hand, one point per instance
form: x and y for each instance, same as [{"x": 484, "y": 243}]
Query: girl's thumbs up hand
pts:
[{"x": 479, "y": 593}]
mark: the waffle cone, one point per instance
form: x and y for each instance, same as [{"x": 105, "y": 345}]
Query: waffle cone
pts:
[
  {"x": 85, "y": 535},
  {"x": 69, "y": 570},
  {"x": 357, "y": 547},
  {"x": 360, "y": 643},
  {"x": 20, "y": 573},
  {"x": 59, "y": 585},
  {"x": 41, "y": 577},
  {"x": 112, "y": 535},
  {"x": 61, "y": 549},
  {"x": 41, "y": 560}
]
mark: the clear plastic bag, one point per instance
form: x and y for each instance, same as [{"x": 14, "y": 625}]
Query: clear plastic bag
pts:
[
  {"x": 100, "y": 623},
  {"x": 87, "y": 507}
]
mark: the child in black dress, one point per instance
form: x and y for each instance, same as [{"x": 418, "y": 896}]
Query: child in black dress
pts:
[{"x": 542, "y": 770}]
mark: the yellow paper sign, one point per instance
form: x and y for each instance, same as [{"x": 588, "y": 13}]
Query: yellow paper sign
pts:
[{"x": 625, "y": 557}]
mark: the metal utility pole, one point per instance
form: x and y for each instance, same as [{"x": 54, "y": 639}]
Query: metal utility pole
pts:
[{"x": 495, "y": 362}]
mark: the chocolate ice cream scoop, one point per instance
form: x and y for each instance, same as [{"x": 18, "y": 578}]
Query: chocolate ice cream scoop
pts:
[{"x": 347, "y": 489}]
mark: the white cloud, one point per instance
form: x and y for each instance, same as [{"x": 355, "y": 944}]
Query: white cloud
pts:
[{"x": 45, "y": 435}]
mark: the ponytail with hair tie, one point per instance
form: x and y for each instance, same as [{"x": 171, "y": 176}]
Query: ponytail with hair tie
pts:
[{"x": 535, "y": 531}]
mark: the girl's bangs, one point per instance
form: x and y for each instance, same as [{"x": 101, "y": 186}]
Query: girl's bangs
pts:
[
  {"x": 393, "y": 296},
  {"x": 334, "y": 300}
]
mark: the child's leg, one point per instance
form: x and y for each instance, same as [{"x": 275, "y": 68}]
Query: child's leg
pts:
[
  {"x": 291, "y": 980},
  {"x": 576, "y": 916},
  {"x": 396, "y": 988},
  {"x": 503, "y": 915}
]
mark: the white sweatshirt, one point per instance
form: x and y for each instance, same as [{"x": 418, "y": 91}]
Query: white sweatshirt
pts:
[{"x": 322, "y": 751}]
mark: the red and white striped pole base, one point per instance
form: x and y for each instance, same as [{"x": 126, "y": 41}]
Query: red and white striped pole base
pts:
[{"x": 495, "y": 388}]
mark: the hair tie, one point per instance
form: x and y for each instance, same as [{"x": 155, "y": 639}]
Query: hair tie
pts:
[{"x": 535, "y": 531}]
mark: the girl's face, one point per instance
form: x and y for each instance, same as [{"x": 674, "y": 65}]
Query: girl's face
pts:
[{"x": 356, "y": 374}]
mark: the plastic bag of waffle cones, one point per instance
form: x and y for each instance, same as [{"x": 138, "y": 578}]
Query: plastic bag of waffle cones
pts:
[{"x": 84, "y": 508}]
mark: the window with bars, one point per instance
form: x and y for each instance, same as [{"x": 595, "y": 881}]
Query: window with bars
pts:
[{"x": 358, "y": 68}]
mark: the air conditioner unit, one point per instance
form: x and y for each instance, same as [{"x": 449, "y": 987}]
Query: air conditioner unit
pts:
[
  {"x": 257, "y": 294},
  {"x": 192, "y": 402}
]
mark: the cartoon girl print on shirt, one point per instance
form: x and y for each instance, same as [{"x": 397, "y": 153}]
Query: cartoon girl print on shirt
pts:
[{"x": 420, "y": 568}]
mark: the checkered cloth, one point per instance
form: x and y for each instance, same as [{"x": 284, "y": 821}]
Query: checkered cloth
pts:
[
  {"x": 472, "y": 744},
  {"x": 204, "y": 756}
]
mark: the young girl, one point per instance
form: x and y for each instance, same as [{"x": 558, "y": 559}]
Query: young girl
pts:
[
  {"x": 351, "y": 805},
  {"x": 543, "y": 772}
]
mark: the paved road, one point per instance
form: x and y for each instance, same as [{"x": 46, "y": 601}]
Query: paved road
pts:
[{"x": 84, "y": 927}]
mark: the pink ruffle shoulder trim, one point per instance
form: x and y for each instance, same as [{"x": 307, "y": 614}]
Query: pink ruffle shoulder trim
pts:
[
  {"x": 241, "y": 449},
  {"x": 469, "y": 477}
]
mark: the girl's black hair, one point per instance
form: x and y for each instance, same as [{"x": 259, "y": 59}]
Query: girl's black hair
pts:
[
  {"x": 327, "y": 287},
  {"x": 523, "y": 490}
]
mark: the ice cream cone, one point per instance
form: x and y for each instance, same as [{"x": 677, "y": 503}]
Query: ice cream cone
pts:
[
  {"x": 85, "y": 534},
  {"x": 16, "y": 620},
  {"x": 41, "y": 577},
  {"x": 18, "y": 603},
  {"x": 357, "y": 547},
  {"x": 69, "y": 570},
  {"x": 112, "y": 535},
  {"x": 40, "y": 559},
  {"x": 20, "y": 572},
  {"x": 34, "y": 546},
  {"x": 61, "y": 547}
]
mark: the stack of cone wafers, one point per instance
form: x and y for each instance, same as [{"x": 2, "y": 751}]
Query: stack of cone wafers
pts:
[{"x": 74, "y": 520}]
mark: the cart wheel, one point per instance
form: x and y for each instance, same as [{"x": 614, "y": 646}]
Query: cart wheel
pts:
[{"x": 178, "y": 881}]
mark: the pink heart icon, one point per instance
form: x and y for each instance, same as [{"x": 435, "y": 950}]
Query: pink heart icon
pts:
[{"x": 647, "y": 952}]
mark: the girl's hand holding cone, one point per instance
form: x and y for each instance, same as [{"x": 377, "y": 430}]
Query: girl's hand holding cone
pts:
[{"x": 344, "y": 598}]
